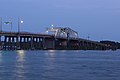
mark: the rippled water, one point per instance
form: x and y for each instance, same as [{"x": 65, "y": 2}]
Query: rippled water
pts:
[{"x": 59, "y": 65}]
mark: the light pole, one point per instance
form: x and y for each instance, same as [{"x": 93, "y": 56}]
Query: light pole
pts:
[
  {"x": 18, "y": 25},
  {"x": 11, "y": 26},
  {"x": 1, "y": 24},
  {"x": 88, "y": 37}
]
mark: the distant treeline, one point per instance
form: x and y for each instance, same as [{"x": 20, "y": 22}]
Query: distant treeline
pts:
[{"x": 112, "y": 43}]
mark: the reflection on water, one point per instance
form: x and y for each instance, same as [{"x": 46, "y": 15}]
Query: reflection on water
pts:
[
  {"x": 0, "y": 56},
  {"x": 21, "y": 54},
  {"x": 59, "y": 65},
  {"x": 51, "y": 50},
  {"x": 51, "y": 53},
  {"x": 20, "y": 67}
]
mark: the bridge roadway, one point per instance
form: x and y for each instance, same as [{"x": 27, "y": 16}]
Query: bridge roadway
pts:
[{"x": 37, "y": 41}]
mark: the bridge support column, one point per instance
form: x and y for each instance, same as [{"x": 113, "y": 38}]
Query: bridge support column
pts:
[
  {"x": 90, "y": 45},
  {"x": 61, "y": 44},
  {"x": 39, "y": 43},
  {"x": 4, "y": 48},
  {"x": 43, "y": 43},
  {"x": 31, "y": 42},
  {"x": 84, "y": 45},
  {"x": 73, "y": 44},
  {"x": 17, "y": 42},
  {"x": 9, "y": 42},
  {"x": 27, "y": 43},
  {"x": 12, "y": 44},
  {"x": 48, "y": 43},
  {"x": 0, "y": 43},
  {"x": 34, "y": 42},
  {"x": 21, "y": 42}
]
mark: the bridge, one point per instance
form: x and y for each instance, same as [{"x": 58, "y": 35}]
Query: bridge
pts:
[{"x": 56, "y": 38}]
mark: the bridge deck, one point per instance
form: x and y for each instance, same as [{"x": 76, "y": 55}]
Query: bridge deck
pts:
[
  {"x": 26, "y": 40},
  {"x": 24, "y": 34}
]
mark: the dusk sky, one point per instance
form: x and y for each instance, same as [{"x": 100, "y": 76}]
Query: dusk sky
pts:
[{"x": 100, "y": 19}]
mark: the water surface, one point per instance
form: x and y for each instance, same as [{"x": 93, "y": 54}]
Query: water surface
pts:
[{"x": 60, "y": 65}]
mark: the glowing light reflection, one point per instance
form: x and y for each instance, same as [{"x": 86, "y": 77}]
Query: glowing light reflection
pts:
[
  {"x": 0, "y": 56},
  {"x": 52, "y": 25},
  {"x": 51, "y": 53},
  {"x": 21, "y": 54},
  {"x": 20, "y": 64}
]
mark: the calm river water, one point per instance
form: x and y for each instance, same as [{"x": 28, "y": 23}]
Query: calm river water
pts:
[{"x": 60, "y": 65}]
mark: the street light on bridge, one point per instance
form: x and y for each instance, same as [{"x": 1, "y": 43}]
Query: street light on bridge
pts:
[
  {"x": 9, "y": 22},
  {"x": 19, "y": 24},
  {"x": 1, "y": 24}
]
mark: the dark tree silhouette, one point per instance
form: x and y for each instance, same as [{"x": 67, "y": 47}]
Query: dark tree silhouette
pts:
[{"x": 112, "y": 43}]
